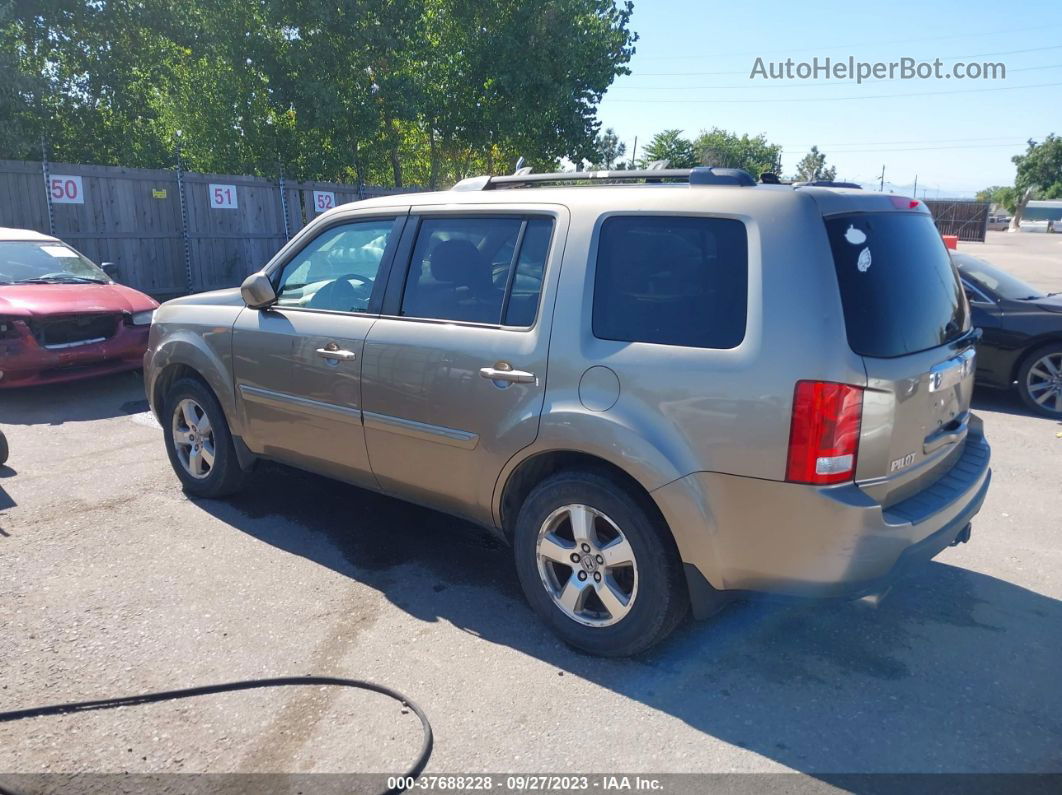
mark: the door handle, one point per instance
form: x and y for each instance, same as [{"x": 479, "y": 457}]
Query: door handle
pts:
[
  {"x": 503, "y": 371},
  {"x": 335, "y": 354}
]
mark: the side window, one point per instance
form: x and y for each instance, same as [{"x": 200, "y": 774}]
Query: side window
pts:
[
  {"x": 337, "y": 270},
  {"x": 478, "y": 270},
  {"x": 522, "y": 305},
  {"x": 672, "y": 281}
]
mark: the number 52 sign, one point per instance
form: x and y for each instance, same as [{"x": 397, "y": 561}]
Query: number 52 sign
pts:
[
  {"x": 223, "y": 197},
  {"x": 323, "y": 200}
]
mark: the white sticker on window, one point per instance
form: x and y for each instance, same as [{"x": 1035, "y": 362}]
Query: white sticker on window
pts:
[
  {"x": 863, "y": 263},
  {"x": 856, "y": 237},
  {"x": 59, "y": 251}
]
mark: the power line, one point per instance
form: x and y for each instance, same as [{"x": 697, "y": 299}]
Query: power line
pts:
[
  {"x": 840, "y": 99},
  {"x": 865, "y": 43},
  {"x": 942, "y": 58},
  {"x": 907, "y": 141}
]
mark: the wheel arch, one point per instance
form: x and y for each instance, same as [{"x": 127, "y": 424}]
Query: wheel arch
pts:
[
  {"x": 187, "y": 355},
  {"x": 1033, "y": 346}
]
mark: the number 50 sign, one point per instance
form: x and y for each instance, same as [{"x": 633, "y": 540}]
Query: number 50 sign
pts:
[
  {"x": 66, "y": 190},
  {"x": 223, "y": 197}
]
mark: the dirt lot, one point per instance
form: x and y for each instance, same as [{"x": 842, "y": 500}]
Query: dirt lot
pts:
[{"x": 113, "y": 582}]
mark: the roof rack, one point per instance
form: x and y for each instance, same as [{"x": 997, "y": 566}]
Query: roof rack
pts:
[{"x": 702, "y": 175}]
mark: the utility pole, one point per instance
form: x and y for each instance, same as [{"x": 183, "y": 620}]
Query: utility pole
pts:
[
  {"x": 915, "y": 191},
  {"x": 634, "y": 153},
  {"x": 881, "y": 187}
]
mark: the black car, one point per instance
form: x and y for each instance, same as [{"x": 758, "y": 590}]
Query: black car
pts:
[{"x": 1022, "y": 342}]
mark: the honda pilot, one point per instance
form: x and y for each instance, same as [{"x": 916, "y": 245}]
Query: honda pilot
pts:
[{"x": 663, "y": 388}]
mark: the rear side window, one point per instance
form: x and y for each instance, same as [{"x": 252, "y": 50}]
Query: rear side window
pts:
[
  {"x": 672, "y": 281},
  {"x": 479, "y": 270},
  {"x": 900, "y": 291}
]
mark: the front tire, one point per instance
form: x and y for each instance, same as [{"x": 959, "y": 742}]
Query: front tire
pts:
[
  {"x": 1040, "y": 380},
  {"x": 597, "y": 566},
  {"x": 198, "y": 441}
]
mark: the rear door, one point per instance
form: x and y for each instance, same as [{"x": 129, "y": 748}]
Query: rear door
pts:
[
  {"x": 455, "y": 369},
  {"x": 907, "y": 316}
]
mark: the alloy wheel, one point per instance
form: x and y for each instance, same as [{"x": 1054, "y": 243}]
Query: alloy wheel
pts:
[
  {"x": 193, "y": 438},
  {"x": 1044, "y": 381},
  {"x": 587, "y": 565}
]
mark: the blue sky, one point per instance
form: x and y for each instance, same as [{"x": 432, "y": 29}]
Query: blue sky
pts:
[{"x": 693, "y": 54}]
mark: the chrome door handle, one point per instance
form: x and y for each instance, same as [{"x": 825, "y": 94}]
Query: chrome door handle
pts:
[
  {"x": 503, "y": 371},
  {"x": 335, "y": 354}
]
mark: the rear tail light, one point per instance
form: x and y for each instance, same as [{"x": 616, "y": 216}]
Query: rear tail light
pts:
[
  {"x": 903, "y": 203},
  {"x": 824, "y": 434}
]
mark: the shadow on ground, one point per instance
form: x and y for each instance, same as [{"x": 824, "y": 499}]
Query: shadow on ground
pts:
[
  {"x": 1004, "y": 402},
  {"x": 955, "y": 671},
  {"x": 76, "y": 401}
]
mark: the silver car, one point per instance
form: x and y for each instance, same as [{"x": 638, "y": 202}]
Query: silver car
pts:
[{"x": 662, "y": 388}]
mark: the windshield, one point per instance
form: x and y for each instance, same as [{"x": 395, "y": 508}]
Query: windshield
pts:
[
  {"x": 33, "y": 262},
  {"x": 999, "y": 282},
  {"x": 900, "y": 292}
]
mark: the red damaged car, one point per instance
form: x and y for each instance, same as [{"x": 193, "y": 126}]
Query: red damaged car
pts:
[{"x": 62, "y": 317}]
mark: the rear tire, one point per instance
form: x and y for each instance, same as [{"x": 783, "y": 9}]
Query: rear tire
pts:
[
  {"x": 574, "y": 535},
  {"x": 3, "y": 449},
  {"x": 198, "y": 441},
  {"x": 1039, "y": 387}
]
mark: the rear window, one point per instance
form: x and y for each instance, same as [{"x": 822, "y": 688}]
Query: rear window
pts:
[
  {"x": 672, "y": 281},
  {"x": 900, "y": 291}
]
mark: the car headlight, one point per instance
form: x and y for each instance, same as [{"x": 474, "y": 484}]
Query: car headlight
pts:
[{"x": 143, "y": 318}]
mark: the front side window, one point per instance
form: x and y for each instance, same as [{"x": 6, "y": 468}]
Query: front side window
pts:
[
  {"x": 338, "y": 269},
  {"x": 672, "y": 281},
  {"x": 478, "y": 270}
]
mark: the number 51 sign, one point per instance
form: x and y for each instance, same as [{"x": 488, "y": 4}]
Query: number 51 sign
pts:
[{"x": 222, "y": 197}]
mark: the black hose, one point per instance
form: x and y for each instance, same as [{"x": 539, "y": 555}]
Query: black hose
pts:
[{"x": 250, "y": 684}]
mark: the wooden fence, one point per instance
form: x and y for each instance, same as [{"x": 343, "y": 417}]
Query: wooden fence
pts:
[
  {"x": 169, "y": 233},
  {"x": 965, "y": 218}
]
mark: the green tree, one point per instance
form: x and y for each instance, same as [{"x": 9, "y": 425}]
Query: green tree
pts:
[
  {"x": 669, "y": 145},
  {"x": 608, "y": 149},
  {"x": 1003, "y": 196},
  {"x": 384, "y": 91},
  {"x": 718, "y": 147},
  {"x": 1039, "y": 175},
  {"x": 813, "y": 167}
]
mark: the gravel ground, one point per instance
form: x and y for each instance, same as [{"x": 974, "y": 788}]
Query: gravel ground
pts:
[{"x": 113, "y": 582}]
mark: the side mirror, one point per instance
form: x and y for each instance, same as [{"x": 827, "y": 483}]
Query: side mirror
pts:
[
  {"x": 111, "y": 269},
  {"x": 257, "y": 291}
]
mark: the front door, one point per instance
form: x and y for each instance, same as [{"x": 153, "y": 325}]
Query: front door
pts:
[
  {"x": 455, "y": 369},
  {"x": 297, "y": 364}
]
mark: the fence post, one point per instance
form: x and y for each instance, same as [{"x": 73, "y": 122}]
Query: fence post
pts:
[
  {"x": 184, "y": 224},
  {"x": 47, "y": 187},
  {"x": 284, "y": 203}
]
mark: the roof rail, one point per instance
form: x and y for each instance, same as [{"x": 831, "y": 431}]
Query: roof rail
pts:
[
  {"x": 827, "y": 183},
  {"x": 702, "y": 175}
]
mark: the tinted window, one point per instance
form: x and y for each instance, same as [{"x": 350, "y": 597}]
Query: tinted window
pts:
[
  {"x": 463, "y": 268},
  {"x": 338, "y": 269},
  {"x": 995, "y": 280},
  {"x": 673, "y": 281},
  {"x": 901, "y": 294},
  {"x": 527, "y": 280}
]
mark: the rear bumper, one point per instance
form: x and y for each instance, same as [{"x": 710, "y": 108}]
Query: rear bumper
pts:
[
  {"x": 25, "y": 363},
  {"x": 746, "y": 534}
]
